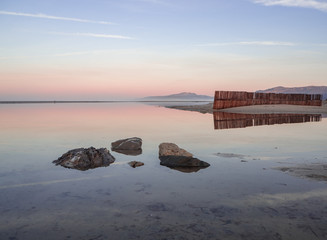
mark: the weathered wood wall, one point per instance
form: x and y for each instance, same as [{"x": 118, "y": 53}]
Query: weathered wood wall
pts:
[
  {"x": 225, "y": 120},
  {"x": 229, "y": 99}
]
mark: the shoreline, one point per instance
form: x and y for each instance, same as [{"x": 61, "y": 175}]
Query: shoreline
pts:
[
  {"x": 258, "y": 109},
  {"x": 313, "y": 171}
]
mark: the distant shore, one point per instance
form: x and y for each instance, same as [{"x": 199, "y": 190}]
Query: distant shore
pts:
[
  {"x": 258, "y": 109},
  {"x": 205, "y": 108},
  {"x": 106, "y": 101}
]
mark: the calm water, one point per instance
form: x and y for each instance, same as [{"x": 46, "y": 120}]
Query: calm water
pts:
[{"x": 240, "y": 196}]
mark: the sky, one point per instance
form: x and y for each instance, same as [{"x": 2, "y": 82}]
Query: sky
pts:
[{"x": 126, "y": 49}]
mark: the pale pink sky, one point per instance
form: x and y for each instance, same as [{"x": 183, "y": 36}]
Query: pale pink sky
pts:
[{"x": 61, "y": 78}]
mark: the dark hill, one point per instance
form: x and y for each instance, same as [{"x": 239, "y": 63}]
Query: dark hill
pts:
[
  {"x": 306, "y": 90},
  {"x": 184, "y": 96}
]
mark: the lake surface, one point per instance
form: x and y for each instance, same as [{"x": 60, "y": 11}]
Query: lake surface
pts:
[{"x": 240, "y": 196}]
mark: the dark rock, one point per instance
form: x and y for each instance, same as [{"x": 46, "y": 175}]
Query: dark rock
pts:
[
  {"x": 174, "y": 157},
  {"x": 128, "y": 146},
  {"x": 181, "y": 161},
  {"x": 171, "y": 149},
  {"x": 135, "y": 164},
  {"x": 85, "y": 158}
]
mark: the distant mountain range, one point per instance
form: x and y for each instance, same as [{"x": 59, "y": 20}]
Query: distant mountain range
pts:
[
  {"x": 184, "y": 96},
  {"x": 188, "y": 96},
  {"x": 306, "y": 90}
]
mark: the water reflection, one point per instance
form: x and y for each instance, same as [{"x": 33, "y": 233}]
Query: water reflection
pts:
[
  {"x": 187, "y": 169},
  {"x": 226, "y": 120},
  {"x": 230, "y": 199}
]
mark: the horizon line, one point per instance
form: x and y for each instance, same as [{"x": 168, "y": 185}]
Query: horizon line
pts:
[{"x": 92, "y": 101}]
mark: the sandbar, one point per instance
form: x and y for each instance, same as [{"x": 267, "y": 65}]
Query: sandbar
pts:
[{"x": 258, "y": 109}]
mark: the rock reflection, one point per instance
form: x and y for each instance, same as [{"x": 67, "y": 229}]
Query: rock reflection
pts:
[
  {"x": 129, "y": 152},
  {"x": 226, "y": 120},
  {"x": 187, "y": 169}
]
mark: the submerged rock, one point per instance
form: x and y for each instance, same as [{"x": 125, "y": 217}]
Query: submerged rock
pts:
[
  {"x": 172, "y": 156},
  {"x": 128, "y": 146},
  {"x": 85, "y": 158},
  {"x": 135, "y": 164},
  {"x": 171, "y": 149}
]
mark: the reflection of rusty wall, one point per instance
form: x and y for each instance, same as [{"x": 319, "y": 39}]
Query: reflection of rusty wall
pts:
[
  {"x": 227, "y": 99},
  {"x": 224, "y": 120}
]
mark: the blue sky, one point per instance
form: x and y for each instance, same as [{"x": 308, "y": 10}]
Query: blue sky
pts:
[{"x": 103, "y": 49}]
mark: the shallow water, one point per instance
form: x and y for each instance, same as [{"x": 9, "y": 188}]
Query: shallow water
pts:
[{"x": 240, "y": 196}]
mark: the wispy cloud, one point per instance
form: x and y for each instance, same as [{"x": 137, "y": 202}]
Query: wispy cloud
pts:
[
  {"x": 152, "y": 1},
  {"x": 315, "y": 4},
  {"x": 248, "y": 43},
  {"x": 268, "y": 43},
  {"x": 96, "y": 35},
  {"x": 124, "y": 51},
  {"x": 160, "y": 3},
  {"x": 78, "y": 53},
  {"x": 41, "y": 15},
  {"x": 67, "y": 54}
]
